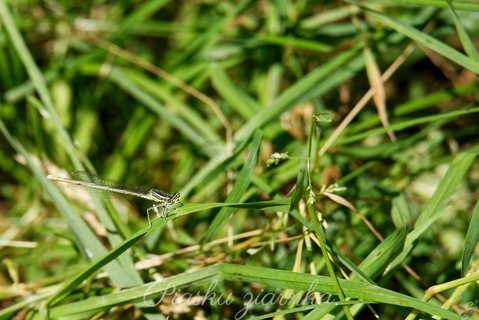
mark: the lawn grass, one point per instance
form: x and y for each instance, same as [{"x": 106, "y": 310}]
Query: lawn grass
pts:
[{"x": 325, "y": 154}]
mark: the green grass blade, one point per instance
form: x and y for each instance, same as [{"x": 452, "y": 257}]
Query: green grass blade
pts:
[
  {"x": 239, "y": 188},
  {"x": 37, "y": 80},
  {"x": 189, "y": 114},
  {"x": 472, "y": 238},
  {"x": 213, "y": 168},
  {"x": 239, "y": 101},
  {"x": 273, "y": 205},
  {"x": 73, "y": 283},
  {"x": 402, "y": 125},
  {"x": 466, "y": 41},
  {"x": 139, "y": 16},
  {"x": 279, "y": 279},
  {"x": 400, "y": 212},
  {"x": 435, "y": 206},
  {"x": 294, "y": 42},
  {"x": 427, "y": 41},
  {"x": 309, "y": 307},
  {"x": 122, "y": 80},
  {"x": 377, "y": 261},
  {"x": 470, "y": 5}
]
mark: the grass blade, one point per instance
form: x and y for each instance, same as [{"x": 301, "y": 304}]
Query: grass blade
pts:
[
  {"x": 435, "y": 206},
  {"x": 239, "y": 188},
  {"x": 427, "y": 41},
  {"x": 278, "y": 279},
  {"x": 472, "y": 238},
  {"x": 466, "y": 41},
  {"x": 242, "y": 103}
]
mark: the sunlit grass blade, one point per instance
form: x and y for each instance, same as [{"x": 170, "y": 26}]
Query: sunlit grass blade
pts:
[
  {"x": 139, "y": 16},
  {"x": 275, "y": 278},
  {"x": 400, "y": 212}
]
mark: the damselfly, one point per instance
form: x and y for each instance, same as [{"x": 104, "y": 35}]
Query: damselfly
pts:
[{"x": 161, "y": 199}]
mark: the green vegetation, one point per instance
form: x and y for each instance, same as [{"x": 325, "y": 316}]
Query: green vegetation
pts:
[{"x": 324, "y": 153}]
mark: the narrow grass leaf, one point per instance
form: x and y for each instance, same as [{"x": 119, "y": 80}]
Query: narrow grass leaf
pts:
[
  {"x": 309, "y": 307},
  {"x": 400, "y": 212},
  {"x": 466, "y": 41},
  {"x": 272, "y": 278},
  {"x": 404, "y": 124},
  {"x": 370, "y": 268},
  {"x": 378, "y": 259},
  {"x": 37, "y": 80},
  {"x": 122, "y": 80},
  {"x": 181, "y": 109},
  {"x": 73, "y": 283},
  {"x": 273, "y": 205},
  {"x": 427, "y": 41},
  {"x": 470, "y": 5},
  {"x": 239, "y": 188},
  {"x": 340, "y": 200},
  {"x": 213, "y": 168},
  {"x": 436, "y": 205},
  {"x": 238, "y": 99},
  {"x": 472, "y": 238},
  {"x": 139, "y": 16},
  {"x": 328, "y": 17},
  {"x": 296, "y": 43}
]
